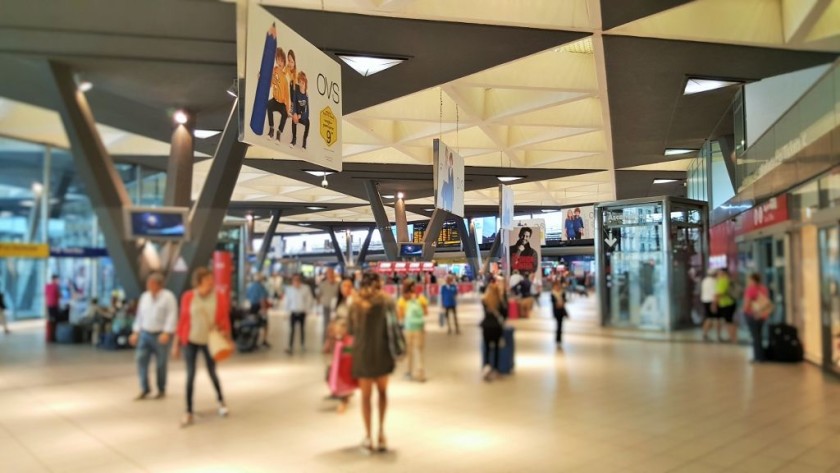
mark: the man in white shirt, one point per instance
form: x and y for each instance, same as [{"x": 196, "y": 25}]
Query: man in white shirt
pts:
[
  {"x": 327, "y": 296},
  {"x": 156, "y": 321},
  {"x": 298, "y": 301},
  {"x": 708, "y": 290}
]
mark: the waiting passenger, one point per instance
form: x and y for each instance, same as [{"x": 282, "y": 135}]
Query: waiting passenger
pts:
[
  {"x": 412, "y": 312},
  {"x": 492, "y": 327},
  {"x": 258, "y": 298},
  {"x": 327, "y": 296},
  {"x": 725, "y": 303},
  {"x": 203, "y": 310},
  {"x": 757, "y": 309},
  {"x": 711, "y": 316},
  {"x": 373, "y": 361},
  {"x": 299, "y": 301}
]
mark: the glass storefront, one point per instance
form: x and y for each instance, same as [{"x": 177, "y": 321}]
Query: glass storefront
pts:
[
  {"x": 650, "y": 255},
  {"x": 43, "y": 200},
  {"x": 829, "y": 240}
]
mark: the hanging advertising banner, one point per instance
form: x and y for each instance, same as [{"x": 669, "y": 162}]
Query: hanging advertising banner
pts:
[
  {"x": 290, "y": 102},
  {"x": 536, "y": 224},
  {"x": 24, "y": 250},
  {"x": 449, "y": 179},
  {"x": 525, "y": 250},
  {"x": 505, "y": 207}
]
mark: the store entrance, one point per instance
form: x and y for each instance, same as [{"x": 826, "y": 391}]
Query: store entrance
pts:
[
  {"x": 830, "y": 295},
  {"x": 770, "y": 263}
]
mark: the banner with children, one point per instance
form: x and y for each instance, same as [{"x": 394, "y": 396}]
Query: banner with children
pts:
[{"x": 291, "y": 98}]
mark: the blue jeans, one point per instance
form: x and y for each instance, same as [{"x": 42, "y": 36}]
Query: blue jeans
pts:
[
  {"x": 756, "y": 327},
  {"x": 146, "y": 346}
]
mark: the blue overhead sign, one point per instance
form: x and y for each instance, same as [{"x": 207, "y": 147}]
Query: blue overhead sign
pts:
[{"x": 78, "y": 252}]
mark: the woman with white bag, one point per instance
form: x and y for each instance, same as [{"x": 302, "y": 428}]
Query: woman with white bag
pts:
[{"x": 203, "y": 327}]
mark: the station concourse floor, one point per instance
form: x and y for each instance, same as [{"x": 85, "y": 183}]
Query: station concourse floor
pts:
[{"x": 604, "y": 404}]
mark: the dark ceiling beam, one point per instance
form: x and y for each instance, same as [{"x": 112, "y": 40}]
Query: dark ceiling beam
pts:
[{"x": 619, "y": 12}]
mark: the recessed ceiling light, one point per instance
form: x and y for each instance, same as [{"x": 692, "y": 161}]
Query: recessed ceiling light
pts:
[
  {"x": 664, "y": 181},
  {"x": 387, "y": 196},
  {"x": 232, "y": 90},
  {"x": 545, "y": 211},
  {"x": 304, "y": 224},
  {"x": 695, "y": 85},
  {"x": 202, "y": 134},
  {"x": 369, "y": 65},
  {"x": 673, "y": 151},
  {"x": 509, "y": 178},
  {"x": 429, "y": 210},
  {"x": 85, "y": 86},
  {"x": 315, "y": 207},
  {"x": 180, "y": 117},
  {"x": 319, "y": 173}
]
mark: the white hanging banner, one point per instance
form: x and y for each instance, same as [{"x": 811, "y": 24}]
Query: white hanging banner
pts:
[
  {"x": 449, "y": 179},
  {"x": 290, "y": 102}
]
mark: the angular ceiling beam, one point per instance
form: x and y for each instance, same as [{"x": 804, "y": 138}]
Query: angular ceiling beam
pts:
[{"x": 800, "y": 16}]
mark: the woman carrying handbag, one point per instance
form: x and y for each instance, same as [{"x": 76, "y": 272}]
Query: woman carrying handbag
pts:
[{"x": 203, "y": 327}]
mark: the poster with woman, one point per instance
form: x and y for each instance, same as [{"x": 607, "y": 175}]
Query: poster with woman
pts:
[{"x": 449, "y": 179}]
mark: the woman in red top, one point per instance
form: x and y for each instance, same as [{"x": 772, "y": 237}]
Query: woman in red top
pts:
[
  {"x": 757, "y": 309},
  {"x": 203, "y": 310}
]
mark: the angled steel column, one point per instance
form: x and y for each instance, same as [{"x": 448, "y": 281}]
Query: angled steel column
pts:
[
  {"x": 267, "y": 239},
  {"x": 208, "y": 212},
  {"x": 402, "y": 221},
  {"x": 495, "y": 251},
  {"x": 337, "y": 249},
  {"x": 382, "y": 222},
  {"x": 61, "y": 194},
  {"x": 363, "y": 251},
  {"x": 102, "y": 182},
  {"x": 179, "y": 170},
  {"x": 432, "y": 232},
  {"x": 469, "y": 246}
]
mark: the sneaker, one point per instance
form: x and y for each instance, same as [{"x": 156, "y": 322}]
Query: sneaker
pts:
[
  {"x": 223, "y": 411},
  {"x": 367, "y": 446},
  {"x": 486, "y": 372},
  {"x": 142, "y": 396}
]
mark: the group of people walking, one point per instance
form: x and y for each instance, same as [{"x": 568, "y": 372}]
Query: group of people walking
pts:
[{"x": 161, "y": 329}]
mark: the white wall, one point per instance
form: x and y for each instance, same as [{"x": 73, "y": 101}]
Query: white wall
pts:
[{"x": 767, "y": 100}]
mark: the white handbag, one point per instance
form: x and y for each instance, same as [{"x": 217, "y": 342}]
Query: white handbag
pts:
[{"x": 220, "y": 347}]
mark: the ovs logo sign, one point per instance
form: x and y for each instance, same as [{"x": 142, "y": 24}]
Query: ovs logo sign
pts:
[{"x": 331, "y": 91}]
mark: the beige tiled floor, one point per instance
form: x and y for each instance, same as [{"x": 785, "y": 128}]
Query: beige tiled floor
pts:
[{"x": 603, "y": 405}]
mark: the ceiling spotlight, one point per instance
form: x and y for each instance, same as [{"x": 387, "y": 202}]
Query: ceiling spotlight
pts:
[
  {"x": 509, "y": 178},
  {"x": 318, "y": 173},
  {"x": 85, "y": 86},
  {"x": 180, "y": 117},
  {"x": 304, "y": 224},
  {"x": 37, "y": 188},
  {"x": 233, "y": 90},
  {"x": 315, "y": 207},
  {"x": 324, "y": 182},
  {"x": 400, "y": 195},
  {"x": 675, "y": 151},
  {"x": 696, "y": 85},
  {"x": 202, "y": 134},
  {"x": 387, "y": 196},
  {"x": 428, "y": 210},
  {"x": 369, "y": 65},
  {"x": 664, "y": 181},
  {"x": 545, "y": 211}
]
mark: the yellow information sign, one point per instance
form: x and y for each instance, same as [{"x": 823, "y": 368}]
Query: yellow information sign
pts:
[
  {"x": 24, "y": 250},
  {"x": 329, "y": 126}
]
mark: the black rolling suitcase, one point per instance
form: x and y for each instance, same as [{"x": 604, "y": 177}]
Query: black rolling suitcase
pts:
[{"x": 784, "y": 344}]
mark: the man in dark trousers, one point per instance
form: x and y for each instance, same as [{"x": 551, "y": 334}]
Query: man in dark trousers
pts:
[{"x": 449, "y": 300}]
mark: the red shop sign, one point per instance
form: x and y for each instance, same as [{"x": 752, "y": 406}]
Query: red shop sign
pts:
[
  {"x": 428, "y": 266},
  {"x": 414, "y": 267},
  {"x": 384, "y": 267},
  {"x": 769, "y": 213},
  {"x": 400, "y": 267}
]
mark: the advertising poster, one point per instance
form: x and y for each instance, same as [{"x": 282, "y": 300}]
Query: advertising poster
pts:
[
  {"x": 578, "y": 222},
  {"x": 536, "y": 224},
  {"x": 525, "y": 250},
  {"x": 449, "y": 179},
  {"x": 505, "y": 207},
  {"x": 291, "y": 98}
]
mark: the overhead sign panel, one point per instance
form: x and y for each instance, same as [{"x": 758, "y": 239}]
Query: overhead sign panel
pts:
[
  {"x": 449, "y": 179},
  {"x": 291, "y": 98}
]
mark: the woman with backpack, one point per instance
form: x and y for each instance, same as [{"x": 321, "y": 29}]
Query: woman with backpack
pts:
[
  {"x": 757, "y": 309},
  {"x": 411, "y": 310}
]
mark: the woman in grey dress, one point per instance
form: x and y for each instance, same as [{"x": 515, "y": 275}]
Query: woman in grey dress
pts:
[{"x": 372, "y": 358}]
